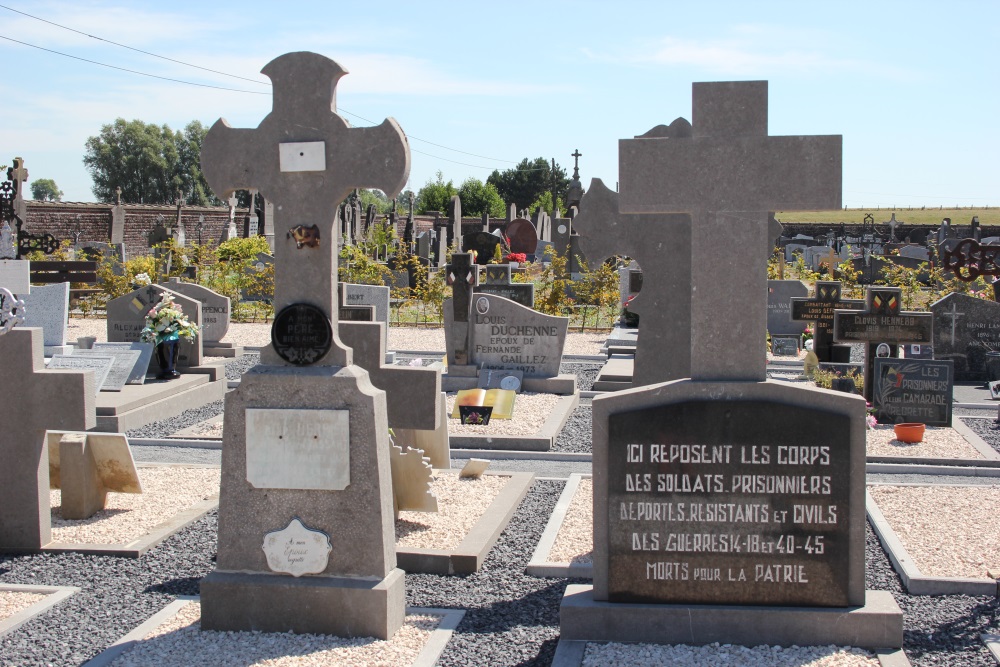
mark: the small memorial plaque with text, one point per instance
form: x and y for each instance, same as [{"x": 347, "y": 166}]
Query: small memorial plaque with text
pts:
[{"x": 913, "y": 390}]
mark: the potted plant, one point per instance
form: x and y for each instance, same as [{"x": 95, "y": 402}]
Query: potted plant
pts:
[{"x": 165, "y": 326}]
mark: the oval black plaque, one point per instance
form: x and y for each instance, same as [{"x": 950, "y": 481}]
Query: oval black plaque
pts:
[{"x": 301, "y": 334}]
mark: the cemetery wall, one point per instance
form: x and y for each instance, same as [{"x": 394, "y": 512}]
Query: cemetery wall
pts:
[
  {"x": 94, "y": 221},
  {"x": 854, "y": 229}
]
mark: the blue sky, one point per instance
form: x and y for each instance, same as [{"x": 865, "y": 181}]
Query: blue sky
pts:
[{"x": 914, "y": 87}]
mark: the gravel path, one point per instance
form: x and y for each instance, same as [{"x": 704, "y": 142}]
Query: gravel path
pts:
[
  {"x": 640, "y": 655},
  {"x": 987, "y": 429},
  {"x": 575, "y": 434}
]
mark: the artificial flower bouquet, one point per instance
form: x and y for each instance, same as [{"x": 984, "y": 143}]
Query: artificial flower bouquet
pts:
[{"x": 166, "y": 322}]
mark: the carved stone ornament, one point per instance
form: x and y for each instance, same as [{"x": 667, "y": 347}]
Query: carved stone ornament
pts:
[
  {"x": 11, "y": 311},
  {"x": 297, "y": 550}
]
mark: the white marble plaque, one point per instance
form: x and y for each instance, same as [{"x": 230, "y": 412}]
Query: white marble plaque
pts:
[
  {"x": 298, "y": 449},
  {"x": 297, "y": 550},
  {"x": 100, "y": 365},
  {"x": 302, "y": 156},
  {"x": 15, "y": 275},
  {"x": 121, "y": 369},
  {"x": 138, "y": 373}
]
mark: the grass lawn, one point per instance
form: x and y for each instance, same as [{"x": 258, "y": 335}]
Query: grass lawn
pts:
[{"x": 916, "y": 216}]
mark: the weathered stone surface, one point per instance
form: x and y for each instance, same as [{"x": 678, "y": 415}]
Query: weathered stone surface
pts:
[
  {"x": 25, "y": 519},
  {"x": 122, "y": 365},
  {"x": 298, "y": 449},
  {"x": 965, "y": 330},
  {"x": 86, "y": 466},
  {"x": 138, "y": 373}
]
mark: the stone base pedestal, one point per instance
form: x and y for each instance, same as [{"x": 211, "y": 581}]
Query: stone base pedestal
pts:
[
  {"x": 563, "y": 385},
  {"x": 83, "y": 493},
  {"x": 52, "y": 350},
  {"x": 220, "y": 349},
  {"x": 342, "y": 606},
  {"x": 877, "y": 624}
]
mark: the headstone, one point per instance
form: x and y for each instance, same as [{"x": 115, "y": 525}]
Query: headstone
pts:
[
  {"x": 779, "y": 306},
  {"x": 214, "y": 308},
  {"x": 47, "y": 307},
  {"x": 137, "y": 375},
  {"x": 629, "y": 278},
  {"x": 508, "y": 336},
  {"x": 965, "y": 330},
  {"x": 86, "y": 466},
  {"x": 376, "y": 296},
  {"x": 15, "y": 275},
  {"x": 100, "y": 364},
  {"x": 127, "y": 318},
  {"x": 424, "y": 245},
  {"x": 820, "y": 309},
  {"x": 915, "y": 252},
  {"x": 25, "y": 515},
  {"x": 455, "y": 224},
  {"x": 882, "y": 322},
  {"x": 913, "y": 390},
  {"x": 496, "y": 279},
  {"x": 685, "y": 471},
  {"x": 306, "y": 159},
  {"x": 122, "y": 367},
  {"x": 522, "y": 236},
  {"x": 483, "y": 243},
  {"x": 463, "y": 276}
]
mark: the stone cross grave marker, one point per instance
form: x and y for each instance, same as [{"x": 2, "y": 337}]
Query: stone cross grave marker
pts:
[
  {"x": 463, "y": 276},
  {"x": 25, "y": 516},
  {"x": 820, "y": 309},
  {"x": 305, "y": 466},
  {"x": 498, "y": 282},
  {"x": 727, "y": 174},
  {"x": 881, "y": 323}
]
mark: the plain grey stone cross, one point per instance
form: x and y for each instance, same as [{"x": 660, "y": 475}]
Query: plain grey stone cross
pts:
[
  {"x": 306, "y": 159},
  {"x": 727, "y": 174}
]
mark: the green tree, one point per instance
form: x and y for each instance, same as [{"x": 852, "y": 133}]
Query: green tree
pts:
[
  {"x": 528, "y": 181},
  {"x": 544, "y": 202},
  {"x": 478, "y": 198},
  {"x": 150, "y": 163},
  {"x": 45, "y": 189},
  {"x": 435, "y": 195}
]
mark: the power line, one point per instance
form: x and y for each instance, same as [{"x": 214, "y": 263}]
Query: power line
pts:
[
  {"x": 132, "y": 71},
  {"x": 131, "y": 48}
]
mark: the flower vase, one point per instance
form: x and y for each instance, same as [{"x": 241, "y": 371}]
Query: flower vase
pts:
[{"x": 166, "y": 357}]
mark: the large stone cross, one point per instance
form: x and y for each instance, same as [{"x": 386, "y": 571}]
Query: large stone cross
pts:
[
  {"x": 463, "y": 276},
  {"x": 882, "y": 323},
  {"x": 306, "y": 159},
  {"x": 727, "y": 173}
]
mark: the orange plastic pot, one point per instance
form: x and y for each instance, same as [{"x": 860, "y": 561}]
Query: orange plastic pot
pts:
[{"x": 911, "y": 433}]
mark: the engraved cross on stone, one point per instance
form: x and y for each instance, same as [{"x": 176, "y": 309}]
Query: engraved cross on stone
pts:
[
  {"x": 306, "y": 159},
  {"x": 727, "y": 173}
]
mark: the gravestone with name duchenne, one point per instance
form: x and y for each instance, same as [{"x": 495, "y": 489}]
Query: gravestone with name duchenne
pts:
[
  {"x": 966, "y": 329},
  {"x": 306, "y": 534},
  {"x": 496, "y": 279},
  {"x": 881, "y": 323},
  {"x": 913, "y": 390},
  {"x": 727, "y": 507},
  {"x": 820, "y": 309},
  {"x": 215, "y": 317},
  {"x": 779, "y": 306},
  {"x": 508, "y": 336},
  {"x": 127, "y": 318},
  {"x": 47, "y": 307}
]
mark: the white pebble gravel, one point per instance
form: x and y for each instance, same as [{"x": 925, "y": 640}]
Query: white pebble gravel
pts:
[
  {"x": 938, "y": 443},
  {"x": 728, "y": 655},
  {"x": 128, "y": 516},
  {"x": 180, "y": 642},
  {"x": 12, "y": 602},
  {"x": 530, "y": 412},
  {"x": 461, "y": 503},
  {"x": 949, "y": 531},
  {"x": 258, "y": 334},
  {"x": 575, "y": 541}
]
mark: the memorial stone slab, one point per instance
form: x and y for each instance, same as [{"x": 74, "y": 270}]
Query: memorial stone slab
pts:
[
  {"x": 522, "y": 236},
  {"x": 913, "y": 390},
  {"x": 122, "y": 368},
  {"x": 101, "y": 365},
  {"x": 47, "y": 307},
  {"x": 882, "y": 322},
  {"x": 779, "y": 306},
  {"x": 138, "y": 373},
  {"x": 376, "y": 296},
  {"x": 497, "y": 281},
  {"x": 15, "y": 275},
  {"x": 966, "y": 329},
  {"x": 507, "y": 336},
  {"x": 298, "y": 449},
  {"x": 127, "y": 318},
  {"x": 629, "y": 278},
  {"x": 214, "y": 308},
  {"x": 483, "y": 243},
  {"x": 784, "y": 346},
  {"x": 820, "y": 309}
]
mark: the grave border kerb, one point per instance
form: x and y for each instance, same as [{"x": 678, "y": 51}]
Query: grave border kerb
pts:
[
  {"x": 53, "y": 596},
  {"x": 539, "y": 564},
  {"x": 914, "y": 582},
  {"x": 469, "y": 555},
  {"x": 541, "y": 441},
  {"x": 428, "y": 656}
]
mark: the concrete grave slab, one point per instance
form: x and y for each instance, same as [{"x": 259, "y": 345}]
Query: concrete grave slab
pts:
[
  {"x": 122, "y": 368},
  {"x": 138, "y": 373},
  {"x": 137, "y": 405},
  {"x": 99, "y": 364},
  {"x": 53, "y": 596},
  {"x": 541, "y": 441}
]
